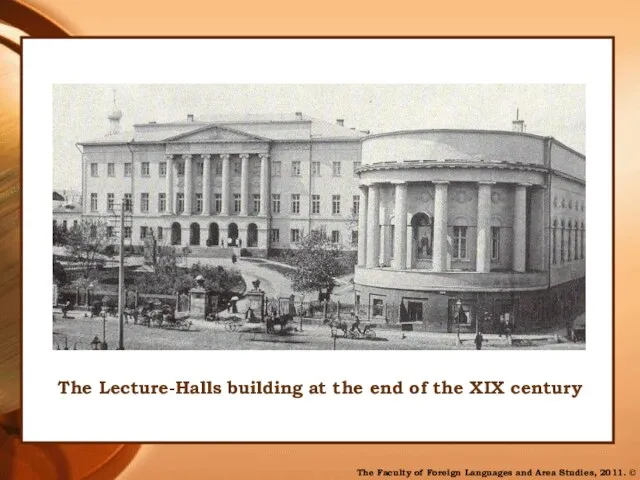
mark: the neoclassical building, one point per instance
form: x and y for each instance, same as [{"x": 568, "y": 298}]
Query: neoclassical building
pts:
[
  {"x": 488, "y": 222},
  {"x": 256, "y": 182}
]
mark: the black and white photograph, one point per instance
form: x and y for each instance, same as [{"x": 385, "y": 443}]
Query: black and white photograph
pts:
[{"x": 319, "y": 217}]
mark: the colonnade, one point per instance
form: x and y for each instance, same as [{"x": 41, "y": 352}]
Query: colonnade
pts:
[
  {"x": 369, "y": 244},
  {"x": 207, "y": 183}
]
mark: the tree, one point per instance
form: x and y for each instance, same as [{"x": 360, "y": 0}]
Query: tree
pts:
[
  {"x": 86, "y": 241},
  {"x": 316, "y": 262},
  {"x": 58, "y": 272},
  {"x": 60, "y": 235}
]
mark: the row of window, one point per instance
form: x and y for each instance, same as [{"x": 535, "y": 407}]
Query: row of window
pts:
[
  {"x": 236, "y": 168},
  {"x": 237, "y": 203},
  {"x": 571, "y": 242},
  {"x": 296, "y": 236}
]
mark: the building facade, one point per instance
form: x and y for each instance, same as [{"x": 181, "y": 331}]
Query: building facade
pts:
[
  {"x": 487, "y": 223},
  {"x": 255, "y": 182}
]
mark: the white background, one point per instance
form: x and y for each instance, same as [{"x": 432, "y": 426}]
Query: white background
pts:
[{"x": 49, "y": 416}]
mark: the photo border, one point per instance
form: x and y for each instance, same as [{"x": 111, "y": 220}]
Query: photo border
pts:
[{"x": 164, "y": 37}]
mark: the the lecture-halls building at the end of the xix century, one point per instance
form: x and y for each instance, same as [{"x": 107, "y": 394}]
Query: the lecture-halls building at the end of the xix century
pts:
[{"x": 490, "y": 223}]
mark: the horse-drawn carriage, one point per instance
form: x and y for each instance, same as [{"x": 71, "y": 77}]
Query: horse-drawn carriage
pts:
[
  {"x": 257, "y": 314},
  {"x": 155, "y": 314}
]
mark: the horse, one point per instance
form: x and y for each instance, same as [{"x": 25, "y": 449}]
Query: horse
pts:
[
  {"x": 282, "y": 320},
  {"x": 339, "y": 325}
]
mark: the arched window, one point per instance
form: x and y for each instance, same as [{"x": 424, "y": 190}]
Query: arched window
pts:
[
  {"x": 194, "y": 231},
  {"x": 252, "y": 235},
  {"x": 562, "y": 243},
  {"x": 576, "y": 237},
  {"x": 422, "y": 227},
  {"x": 554, "y": 242}
]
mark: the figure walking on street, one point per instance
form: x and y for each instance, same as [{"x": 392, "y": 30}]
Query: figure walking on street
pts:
[{"x": 479, "y": 339}]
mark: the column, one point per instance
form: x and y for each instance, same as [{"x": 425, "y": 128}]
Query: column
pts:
[
  {"x": 224, "y": 210},
  {"x": 440, "y": 212},
  {"x": 264, "y": 184},
  {"x": 520, "y": 229},
  {"x": 385, "y": 244},
  {"x": 362, "y": 226},
  {"x": 244, "y": 185},
  {"x": 206, "y": 185},
  {"x": 188, "y": 184},
  {"x": 483, "y": 241},
  {"x": 373, "y": 226},
  {"x": 400, "y": 232},
  {"x": 169, "y": 185}
]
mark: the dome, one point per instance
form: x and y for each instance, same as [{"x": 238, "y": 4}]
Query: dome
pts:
[{"x": 115, "y": 115}]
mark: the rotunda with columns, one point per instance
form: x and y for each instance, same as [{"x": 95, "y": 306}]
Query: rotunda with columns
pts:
[{"x": 458, "y": 230}]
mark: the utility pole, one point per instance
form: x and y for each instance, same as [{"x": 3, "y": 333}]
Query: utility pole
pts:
[{"x": 121, "y": 299}]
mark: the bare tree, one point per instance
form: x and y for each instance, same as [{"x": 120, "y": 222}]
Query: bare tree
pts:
[{"x": 86, "y": 241}]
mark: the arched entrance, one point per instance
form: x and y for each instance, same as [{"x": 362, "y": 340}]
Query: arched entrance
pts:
[
  {"x": 194, "y": 234},
  {"x": 232, "y": 235},
  {"x": 176, "y": 234},
  {"x": 214, "y": 235},
  {"x": 252, "y": 235},
  {"x": 422, "y": 239}
]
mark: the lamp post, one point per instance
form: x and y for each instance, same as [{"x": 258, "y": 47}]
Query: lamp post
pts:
[
  {"x": 103, "y": 345},
  {"x": 458, "y": 317},
  {"x": 95, "y": 343}
]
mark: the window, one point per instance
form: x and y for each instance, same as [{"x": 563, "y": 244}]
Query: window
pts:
[
  {"x": 276, "y": 169},
  {"x": 127, "y": 232},
  {"x": 94, "y": 169},
  {"x": 111, "y": 169},
  {"x": 335, "y": 236},
  {"x": 144, "y": 202},
  {"x": 256, "y": 203},
  {"x": 295, "y": 169},
  {"x": 218, "y": 202},
  {"x": 337, "y": 166},
  {"x": 162, "y": 202},
  {"x": 569, "y": 229},
  {"x": 143, "y": 233},
  {"x": 315, "y": 169},
  {"x": 237, "y": 168},
  {"x": 237, "y": 202},
  {"x": 335, "y": 205},
  {"x": 111, "y": 200},
  {"x": 144, "y": 169},
  {"x": 356, "y": 205},
  {"x": 94, "y": 202},
  {"x": 460, "y": 242},
  {"x": 128, "y": 202},
  {"x": 295, "y": 203},
  {"x": 575, "y": 249},
  {"x": 377, "y": 307},
  {"x": 180, "y": 202},
  {"x": 275, "y": 203},
  {"x": 495, "y": 243},
  {"x": 200, "y": 169},
  {"x": 127, "y": 169},
  {"x": 354, "y": 238},
  {"x": 180, "y": 168},
  {"x": 461, "y": 314},
  {"x": 275, "y": 235},
  {"x": 554, "y": 249},
  {"x": 109, "y": 231},
  {"x": 218, "y": 167},
  {"x": 562, "y": 241},
  {"x": 198, "y": 203},
  {"x": 582, "y": 241},
  {"x": 295, "y": 235},
  {"x": 356, "y": 166},
  {"x": 160, "y": 233},
  {"x": 162, "y": 169},
  {"x": 315, "y": 204}
]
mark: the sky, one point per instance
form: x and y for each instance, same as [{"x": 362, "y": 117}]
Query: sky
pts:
[{"x": 80, "y": 111}]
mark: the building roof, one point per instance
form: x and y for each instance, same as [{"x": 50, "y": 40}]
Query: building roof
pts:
[
  {"x": 67, "y": 208},
  {"x": 278, "y": 127}
]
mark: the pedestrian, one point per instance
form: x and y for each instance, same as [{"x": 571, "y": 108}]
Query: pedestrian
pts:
[{"x": 479, "y": 339}]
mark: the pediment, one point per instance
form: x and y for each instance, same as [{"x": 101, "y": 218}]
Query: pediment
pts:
[{"x": 215, "y": 133}]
